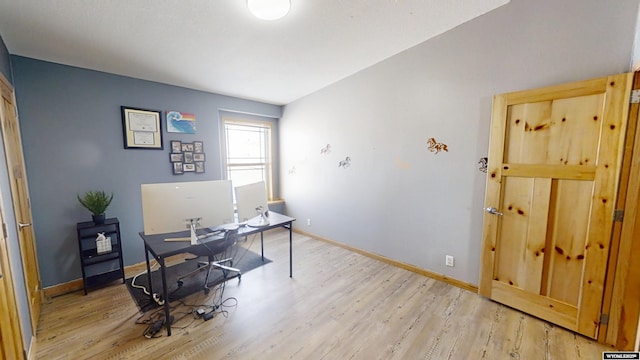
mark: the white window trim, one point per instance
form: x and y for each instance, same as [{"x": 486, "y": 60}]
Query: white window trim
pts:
[{"x": 269, "y": 164}]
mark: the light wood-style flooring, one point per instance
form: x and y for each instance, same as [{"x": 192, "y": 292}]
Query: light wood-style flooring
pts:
[{"x": 338, "y": 305}]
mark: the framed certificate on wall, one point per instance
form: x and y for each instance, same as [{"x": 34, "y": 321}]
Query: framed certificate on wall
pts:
[{"x": 142, "y": 129}]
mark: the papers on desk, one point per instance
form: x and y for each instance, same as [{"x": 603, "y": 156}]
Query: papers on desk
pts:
[{"x": 178, "y": 239}]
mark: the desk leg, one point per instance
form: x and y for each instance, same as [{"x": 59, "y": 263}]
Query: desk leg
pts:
[
  {"x": 146, "y": 254},
  {"x": 262, "y": 244},
  {"x": 290, "y": 250},
  {"x": 165, "y": 296}
]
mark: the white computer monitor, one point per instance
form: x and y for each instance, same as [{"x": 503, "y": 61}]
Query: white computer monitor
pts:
[
  {"x": 248, "y": 198},
  {"x": 167, "y": 206}
]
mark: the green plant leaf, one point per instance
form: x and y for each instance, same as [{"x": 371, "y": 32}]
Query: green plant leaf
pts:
[{"x": 96, "y": 202}]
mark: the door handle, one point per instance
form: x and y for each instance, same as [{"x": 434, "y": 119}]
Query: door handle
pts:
[
  {"x": 21, "y": 225},
  {"x": 494, "y": 211}
]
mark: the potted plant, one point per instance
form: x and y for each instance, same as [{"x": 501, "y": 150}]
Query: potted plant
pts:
[{"x": 97, "y": 202}]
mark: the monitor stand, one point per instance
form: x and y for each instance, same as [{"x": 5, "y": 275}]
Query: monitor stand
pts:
[
  {"x": 193, "y": 224},
  {"x": 260, "y": 220}
]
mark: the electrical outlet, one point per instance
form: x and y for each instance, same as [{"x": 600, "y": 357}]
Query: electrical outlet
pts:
[
  {"x": 449, "y": 260},
  {"x": 308, "y": 222}
]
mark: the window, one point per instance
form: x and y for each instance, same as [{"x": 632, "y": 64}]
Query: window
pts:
[{"x": 247, "y": 152}]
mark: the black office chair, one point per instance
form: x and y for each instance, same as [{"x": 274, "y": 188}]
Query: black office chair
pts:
[{"x": 216, "y": 252}]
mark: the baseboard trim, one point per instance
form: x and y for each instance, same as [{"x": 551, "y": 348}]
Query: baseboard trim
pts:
[
  {"x": 396, "y": 263},
  {"x": 61, "y": 289},
  {"x": 77, "y": 284}
]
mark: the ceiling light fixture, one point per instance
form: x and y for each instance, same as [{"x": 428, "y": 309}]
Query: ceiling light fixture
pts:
[{"x": 269, "y": 9}]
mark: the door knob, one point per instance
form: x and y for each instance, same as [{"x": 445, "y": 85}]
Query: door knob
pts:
[
  {"x": 21, "y": 225},
  {"x": 494, "y": 211}
]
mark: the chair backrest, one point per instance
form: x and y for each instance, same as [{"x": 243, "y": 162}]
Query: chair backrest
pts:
[
  {"x": 230, "y": 238},
  {"x": 217, "y": 246}
]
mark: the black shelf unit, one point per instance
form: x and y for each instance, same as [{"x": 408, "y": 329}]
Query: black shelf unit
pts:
[{"x": 99, "y": 269}]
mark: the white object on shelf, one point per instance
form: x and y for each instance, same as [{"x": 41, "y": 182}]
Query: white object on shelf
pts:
[{"x": 103, "y": 244}]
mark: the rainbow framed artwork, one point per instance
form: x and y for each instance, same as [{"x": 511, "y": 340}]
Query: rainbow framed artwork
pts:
[{"x": 181, "y": 122}]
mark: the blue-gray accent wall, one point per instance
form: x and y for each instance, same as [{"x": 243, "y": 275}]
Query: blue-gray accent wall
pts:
[
  {"x": 5, "y": 61},
  {"x": 72, "y": 138}
]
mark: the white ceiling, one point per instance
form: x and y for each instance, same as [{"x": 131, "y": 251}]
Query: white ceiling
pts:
[{"x": 217, "y": 46}]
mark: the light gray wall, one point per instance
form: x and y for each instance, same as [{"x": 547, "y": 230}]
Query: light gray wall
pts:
[
  {"x": 398, "y": 199},
  {"x": 10, "y": 220},
  {"x": 72, "y": 138}
]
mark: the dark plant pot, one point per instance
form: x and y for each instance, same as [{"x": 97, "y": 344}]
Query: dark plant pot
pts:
[{"x": 98, "y": 219}]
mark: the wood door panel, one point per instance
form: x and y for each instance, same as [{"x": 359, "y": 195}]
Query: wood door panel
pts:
[
  {"x": 554, "y": 158},
  {"x": 519, "y": 242},
  {"x": 526, "y": 138},
  {"x": 568, "y": 235},
  {"x": 575, "y": 138},
  {"x": 561, "y": 131},
  {"x": 512, "y": 242}
]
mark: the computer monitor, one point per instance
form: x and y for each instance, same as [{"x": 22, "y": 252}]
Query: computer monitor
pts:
[
  {"x": 248, "y": 198},
  {"x": 167, "y": 206}
]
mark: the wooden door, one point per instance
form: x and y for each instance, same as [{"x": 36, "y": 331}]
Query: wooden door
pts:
[
  {"x": 554, "y": 162},
  {"x": 10, "y": 333},
  {"x": 20, "y": 200}
]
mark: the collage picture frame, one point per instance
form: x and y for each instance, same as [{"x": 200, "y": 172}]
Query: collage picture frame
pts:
[{"x": 187, "y": 157}]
